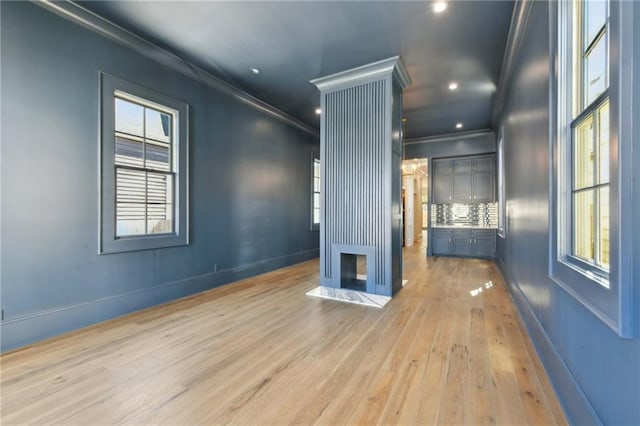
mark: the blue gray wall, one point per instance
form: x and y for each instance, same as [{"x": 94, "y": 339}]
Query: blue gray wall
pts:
[
  {"x": 595, "y": 372},
  {"x": 249, "y": 185}
]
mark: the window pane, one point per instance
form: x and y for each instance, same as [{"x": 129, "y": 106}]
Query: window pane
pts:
[
  {"x": 316, "y": 215},
  {"x": 159, "y": 188},
  {"x": 130, "y": 186},
  {"x": 158, "y": 125},
  {"x": 316, "y": 184},
  {"x": 129, "y": 117},
  {"x": 159, "y": 203},
  {"x": 596, "y": 13},
  {"x": 316, "y": 200},
  {"x": 603, "y": 143},
  {"x": 316, "y": 168},
  {"x": 583, "y": 225},
  {"x": 130, "y": 219},
  {"x": 158, "y": 156},
  {"x": 130, "y": 202},
  {"x": 603, "y": 227},
  {"x": 583, "y": 154},
  {"x": 595, "y": 66},
  {"x": 129, "y": 152}
]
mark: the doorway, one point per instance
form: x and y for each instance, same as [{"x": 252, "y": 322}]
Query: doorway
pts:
[{"x": 415, "y": 190}]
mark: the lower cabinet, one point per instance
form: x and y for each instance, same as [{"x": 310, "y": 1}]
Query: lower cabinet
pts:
[
  {"x": 464, "y": 242},
  {"x": 441, "y": 242}
]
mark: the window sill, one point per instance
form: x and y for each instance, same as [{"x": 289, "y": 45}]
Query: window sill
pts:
[{"x": 124, "y": 245}]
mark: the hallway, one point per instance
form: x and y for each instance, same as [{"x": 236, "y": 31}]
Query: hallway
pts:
[{"x": 449, "y": 349}]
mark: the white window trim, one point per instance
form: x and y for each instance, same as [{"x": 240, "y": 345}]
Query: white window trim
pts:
[
  {"x": 612, "y": 304},
  {"x": 108, "y": 243},
  {"x": 501, "y": 190},
  {"x": 314, "y": 156}
]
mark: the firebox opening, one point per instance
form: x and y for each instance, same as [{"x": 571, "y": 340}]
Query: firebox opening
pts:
[{"x": 353, "y": 272}]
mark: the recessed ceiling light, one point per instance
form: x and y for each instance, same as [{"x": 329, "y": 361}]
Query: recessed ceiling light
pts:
[
  {"x": 255, "y": 70},
  {"x": 439, "y": 6},
  {"x": 318, "y": 111},
  {"x": 459, "y": 126},
  {"x": 453, "y": 85}
]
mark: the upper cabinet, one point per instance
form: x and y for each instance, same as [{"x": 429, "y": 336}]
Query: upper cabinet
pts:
[
  {"x": 464, "y": 180},
  {"x": 441, "y": 181}
]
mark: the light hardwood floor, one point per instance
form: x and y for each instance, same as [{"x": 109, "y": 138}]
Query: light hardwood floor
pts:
[{"x": 261, "y": 352}]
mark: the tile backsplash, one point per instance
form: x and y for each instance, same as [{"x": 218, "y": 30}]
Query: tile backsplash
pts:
[{"x": 471, "y": 214}]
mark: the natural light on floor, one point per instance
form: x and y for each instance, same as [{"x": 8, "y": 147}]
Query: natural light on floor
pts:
[{"x": 477, "y": 291}]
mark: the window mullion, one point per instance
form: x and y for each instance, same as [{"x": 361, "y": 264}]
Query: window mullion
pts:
[{"x": 144, "y": 165}]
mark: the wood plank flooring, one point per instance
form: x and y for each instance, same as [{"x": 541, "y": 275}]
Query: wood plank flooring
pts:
[{"x": 261, "y": 352}]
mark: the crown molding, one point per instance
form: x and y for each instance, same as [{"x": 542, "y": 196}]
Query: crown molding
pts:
[
  {"x": 393, "y": 65},
  {"x": 79, "y": 15},
  {"x": 517, "y": 28},
  {"x": 451, "y": 136}
]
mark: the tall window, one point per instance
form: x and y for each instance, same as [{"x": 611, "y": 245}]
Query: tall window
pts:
[
  {"x": 591, "y": 247},
  {"x": 315, "y": 202},
  {"x": 590, "y": 135},
  {"x": 143, "y": 168}
]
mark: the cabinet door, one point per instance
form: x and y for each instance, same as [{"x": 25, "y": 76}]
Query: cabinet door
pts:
[
  {"x": 441, "y": 181},
  {"x": 441, "y": 243},
  {"x": 462, "y": 166},
  {"x": 462, "y": 188},
  {"x": 484, "y": 164},
  {"x": 485, "y": 246},
  {"x": 462, "y": 245},
  {"x": 483, "y": 187}
]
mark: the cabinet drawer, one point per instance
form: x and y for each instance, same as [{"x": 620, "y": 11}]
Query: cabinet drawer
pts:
[{"x": 458, "y": 232}]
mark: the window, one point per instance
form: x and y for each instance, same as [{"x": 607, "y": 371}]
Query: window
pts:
[
  {"x": 501, "y": 194},
  {"x": 143, "y": 168},
  {"x": 315, "y": 191},
  {"x": 590, "y": 188},
  {"x": 589, "y": 219},
  {"x": 588, "y": 250}
]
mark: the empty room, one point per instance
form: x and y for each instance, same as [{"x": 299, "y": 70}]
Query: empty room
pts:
[{"x": 320, "y": 212}]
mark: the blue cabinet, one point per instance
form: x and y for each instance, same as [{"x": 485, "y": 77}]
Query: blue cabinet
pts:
[
  {"x": 464, "y": 180},
  {"x": 441, "y": 181},
  {"x": 464, "y": 242},
  {"x": 441, "y": 242}
]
